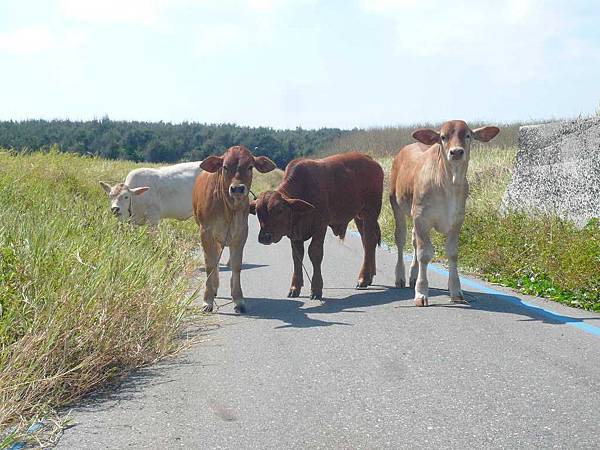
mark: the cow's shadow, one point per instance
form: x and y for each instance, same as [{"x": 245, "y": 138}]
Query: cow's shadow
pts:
[
  {"x": 225, "y": 268},
  {"x": 510, "y": 304},
  {"x": 297, "y": 313}
]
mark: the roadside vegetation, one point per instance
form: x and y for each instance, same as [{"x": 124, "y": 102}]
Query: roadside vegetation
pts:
[
  {"x": 543, "y": 256},
  {"x": 83, "y": 299}
]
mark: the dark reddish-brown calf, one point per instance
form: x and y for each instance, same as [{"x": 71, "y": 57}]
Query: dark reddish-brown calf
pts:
[
  {"x": 315, "y": 194},
  {"x": 220, "y": 201}
]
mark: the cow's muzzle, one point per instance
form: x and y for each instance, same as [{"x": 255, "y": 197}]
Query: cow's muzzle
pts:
[
  {"x": 457, "y": 153},
  {"x": 264, "y": 237},
  {"x": 238, "y": 189},
  {"x": 115, "y": 210}
]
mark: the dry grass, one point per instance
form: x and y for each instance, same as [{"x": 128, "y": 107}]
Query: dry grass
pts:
[
  {"x": 84, "y": 300},
  {"x": 387, "y": 141}
]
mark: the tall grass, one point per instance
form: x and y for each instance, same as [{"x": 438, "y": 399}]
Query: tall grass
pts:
[{"x": 83, "y": 299}]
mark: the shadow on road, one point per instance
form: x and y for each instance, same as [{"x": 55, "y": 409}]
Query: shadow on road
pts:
[
  {"x": 295, "y": 313},
  {"x": 224, "y": 268},
  {"x": 510, "y": 304}
]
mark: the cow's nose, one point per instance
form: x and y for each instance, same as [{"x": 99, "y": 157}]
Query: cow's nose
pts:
[
  {"x": 264, "y": 237},
  {"x": 237, "y": 189},
  {"x": 457, "y": 152},
  {"x": 115, "y": 210}
]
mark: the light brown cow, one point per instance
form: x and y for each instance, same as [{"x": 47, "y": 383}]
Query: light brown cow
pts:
[
  {"x": 429, "y": 182},
  {"x": 220, "y": 201}
]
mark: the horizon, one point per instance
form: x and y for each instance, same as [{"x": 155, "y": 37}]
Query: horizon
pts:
[{"x": 284, "y": 64}]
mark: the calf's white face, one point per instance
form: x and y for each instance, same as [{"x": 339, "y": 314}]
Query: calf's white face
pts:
[{"x": 122, "y": 198}]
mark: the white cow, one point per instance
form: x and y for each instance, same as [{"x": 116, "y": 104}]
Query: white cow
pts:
[{"x": 149, "y": 195}]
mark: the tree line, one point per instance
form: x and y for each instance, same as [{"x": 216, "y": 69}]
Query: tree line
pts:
[{"x": 161, "y": 142}]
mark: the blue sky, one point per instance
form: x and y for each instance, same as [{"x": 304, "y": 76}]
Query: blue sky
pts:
[{"x": 309, "y": 63}]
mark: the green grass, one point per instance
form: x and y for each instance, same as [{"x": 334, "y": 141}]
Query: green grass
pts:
[
  {"x": 543, "y": 256},
  {"x": 83, "y": 299}
]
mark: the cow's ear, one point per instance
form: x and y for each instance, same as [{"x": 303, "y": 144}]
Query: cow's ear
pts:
[
  {"x": 139, "y": 190},
  {"x": 212, "y": 164},
  {"x": 264, "y": 164},
  {"x": 485, "y": 134},
  {"x": 299, "y": 206},
  {"x": 252, "y": 209},
  {"x": 107, "y": 187},
  {"x": 426, "y": 136}
]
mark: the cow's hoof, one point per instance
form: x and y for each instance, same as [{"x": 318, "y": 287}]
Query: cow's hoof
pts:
[
  {"x": 401, "y": 283},
  {"x": 294, "y": 293},
  {"x": 207, "y": 307},
  {"x": 421, "y": 300},
  {"x": 412, "y": 283},
  {"x": 362, "y": 284},
  {"x": 459, "y": 299},
  {"x": 240, "y": 309},
  {"x": 316, "y": 296}
]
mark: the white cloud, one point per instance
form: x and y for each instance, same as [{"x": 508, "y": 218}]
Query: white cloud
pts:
[
  {"x": 217, "y": 38},
  {"x": 385, "y": 6},
  {"x": 509, "y": 40},
  {"x": 27, "y": 40},
  {"x": 142, "y": 12},
  {"x": 39, "y": 39}
]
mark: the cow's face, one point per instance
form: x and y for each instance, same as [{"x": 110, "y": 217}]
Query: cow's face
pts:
[
  {"x": 275, "y": 214},
  {"x": 121, "y": 198},
  {"x": 236, "y": 168},
  {"x": 455, "y": 138}
]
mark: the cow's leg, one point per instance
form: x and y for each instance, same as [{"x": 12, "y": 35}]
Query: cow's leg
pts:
[
  {"x": 364, "y": 276},
  {"x": 400, "y": 238},
  {"x": 315, "y": 253},
  {"x": 414, "y": 265},
  {"x": 297, "y": 277},
  {"x": 456, "y": 294},
  {"x": 212, "y": 251},
  {"x": 424, "y": 255},
  {"x": 370, "y": 235},
  {"x": 235, "y": 259}
]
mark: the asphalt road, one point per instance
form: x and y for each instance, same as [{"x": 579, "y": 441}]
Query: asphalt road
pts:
[{"x": 365, "y": 370}]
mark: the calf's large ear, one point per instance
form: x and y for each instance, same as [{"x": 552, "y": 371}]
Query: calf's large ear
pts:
[
  {"x": 212, "y": 164},
  {"x": 107, "y": 188},
  {"x": 485, "y": 134},
  {"x": 426, "y": 136},
  {"x": 299, "y": 206},
  {"x": 139, "y": 190},
  {"x": 252, "y": 209},
  {"x": 264, "y": 164}
]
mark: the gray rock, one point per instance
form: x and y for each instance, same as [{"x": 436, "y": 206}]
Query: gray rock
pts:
[{"x": 557, "y": 170}]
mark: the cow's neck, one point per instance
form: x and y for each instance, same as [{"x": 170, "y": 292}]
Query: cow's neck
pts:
[{"x": 301, "y": 224}]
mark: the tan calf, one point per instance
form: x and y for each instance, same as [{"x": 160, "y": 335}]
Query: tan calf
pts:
[
  {"x": 220, "y": 202},
  {"x": 429, "y": 182}
]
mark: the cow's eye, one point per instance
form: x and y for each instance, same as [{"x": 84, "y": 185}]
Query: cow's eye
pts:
[
  {"x": 250, "y": 168},
  {"x": 443, "y": 137},
  {"x": 226, "y": 168}
]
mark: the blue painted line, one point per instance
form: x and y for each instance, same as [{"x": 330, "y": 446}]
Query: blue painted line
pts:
[
  {"x": 538, "y": 310},
  {"x": 535, "y": 309}
]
